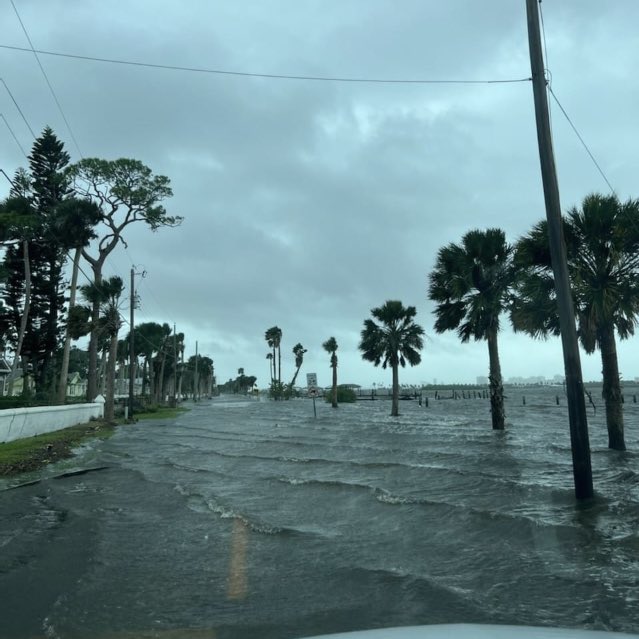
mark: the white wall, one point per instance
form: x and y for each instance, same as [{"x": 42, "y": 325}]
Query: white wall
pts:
[{"x": 16, "y": 423}]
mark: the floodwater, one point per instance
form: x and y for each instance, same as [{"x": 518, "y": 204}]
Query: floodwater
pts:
[{"x": 254, "y": 519}]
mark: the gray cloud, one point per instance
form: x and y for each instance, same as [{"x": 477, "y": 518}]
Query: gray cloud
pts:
[{"x": 308, "y": 203}]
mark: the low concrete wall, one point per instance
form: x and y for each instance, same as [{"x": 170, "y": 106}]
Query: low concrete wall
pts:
[{"x": 16, "y": 423}]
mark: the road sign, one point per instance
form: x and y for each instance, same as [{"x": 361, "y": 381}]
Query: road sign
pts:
[
  {"x": 311, "y": 380},
  {"x": 312, "y": 391}
]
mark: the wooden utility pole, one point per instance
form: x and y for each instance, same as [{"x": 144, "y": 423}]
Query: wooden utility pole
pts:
[
  {"x": 196, "y": 381},
  {"x": 580, "y": 445},
  {"x": 175, "y": 366},
  {"x": 131, "y": 345}
]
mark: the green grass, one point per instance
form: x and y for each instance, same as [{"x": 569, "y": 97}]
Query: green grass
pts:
[{"x": 33, "y": 452}]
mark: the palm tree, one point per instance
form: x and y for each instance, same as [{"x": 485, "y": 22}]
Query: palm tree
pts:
[
  {"x": 602, "y": 244},
  {"x": 471, "y": 283},
  {"x": 149, "y": 338},
  {"x": 330, "y": 346},
  {"x": 396, "y": 341},
  {"x": 298, "y": 351},
  {"x": 273, "y": 337},
  {"x": 107, "y": 296},
  {"x": 269, "y": 357}
]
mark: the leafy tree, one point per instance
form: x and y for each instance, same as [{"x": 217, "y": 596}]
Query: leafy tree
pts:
[
  {"x": 126, "y": 192},
  {"x": 78, "y": 361},
  {"x": 472, "y": 283},
  {"x": 397, "y": 339},
  {"x": 344, "y": 395},
  {"x": 602, "y": 244},
  {"x": 49, "y": 186},
  {"x": 18, "y": 224},
  {"x": 330, "y": 346}
]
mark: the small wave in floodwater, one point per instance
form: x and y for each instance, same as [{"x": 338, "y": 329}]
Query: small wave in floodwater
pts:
[{"x": 254, "y": 519}]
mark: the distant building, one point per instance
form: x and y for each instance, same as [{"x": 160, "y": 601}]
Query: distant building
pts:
[
  {"x": 76, "y": 386},
  {"x": 536, "y": 380},
  {"x": 5, "y": 369},
  {"x": 482, "y": 380}
]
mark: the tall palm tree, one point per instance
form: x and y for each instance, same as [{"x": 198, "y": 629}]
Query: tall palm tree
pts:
[
  {"x": 269, "y": 357},
  {"x": 602, "y": 244},
  {"x": 298, "y": 351},
  {"x": 471, "y": 283},
  {"x": 107, "y": 295},
  {"x": 330, "y": 346},
  {"x": 273, "y": 337},
  {"x": 395, "y": 341}
]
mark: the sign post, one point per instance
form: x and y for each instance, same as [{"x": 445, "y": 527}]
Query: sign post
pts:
[{"x": 311, "y": 384}]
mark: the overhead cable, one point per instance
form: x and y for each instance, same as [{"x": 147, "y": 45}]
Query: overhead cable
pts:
[
  {"x": 273, "y": 76},
  {"x": 18, "y": 107},
  {"x": 46, "y": 77}
]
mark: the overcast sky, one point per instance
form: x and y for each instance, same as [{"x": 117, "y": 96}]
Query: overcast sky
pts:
[{"x": 308, "y": 203}]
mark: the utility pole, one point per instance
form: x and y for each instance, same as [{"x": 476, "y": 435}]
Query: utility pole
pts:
[
  {"x": 175, "y": 365},
  {"x": 131, "y": 344},
  {"x": 132, "y": 360},
  {"x": 580, "y": 445},
  {"x": 196, "y": 381}
]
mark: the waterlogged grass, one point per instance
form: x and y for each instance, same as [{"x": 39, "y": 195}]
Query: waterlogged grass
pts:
[
  {"x": 31, "y": 453},
  {"x": 35, "y": 452}
]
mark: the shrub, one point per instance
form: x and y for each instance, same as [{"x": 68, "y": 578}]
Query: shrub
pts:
[{"x": 345, "y": 395}]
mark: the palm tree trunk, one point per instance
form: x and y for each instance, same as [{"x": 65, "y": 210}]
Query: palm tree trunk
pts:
[
  {"x": 23, "y": 319},
  {"x": 64, "y": 371},
  {"x": 334, "y": 399},
  {"x": 109, "y": 404},
  {"x": 92, "y": 374},
  {"x": 297, "y": 370},
  {"x": 395, "y": 407},
  {"x": 144, "y": 376},
  {"x": 102, "y": 373},
  {"x": 279, "y": 366},
  {"x": 612, "y": 389},
  {"x": 160, "y": 389},
  {"x": 496, "y": 385}
]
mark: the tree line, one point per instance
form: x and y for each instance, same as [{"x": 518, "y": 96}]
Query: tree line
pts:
[{"x": 58, "y": 212}]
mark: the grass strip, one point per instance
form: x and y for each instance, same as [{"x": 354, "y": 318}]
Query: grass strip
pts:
[{"x": 31, "y": 453}]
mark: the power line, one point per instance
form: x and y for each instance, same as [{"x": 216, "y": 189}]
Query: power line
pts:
[
  {"x": 574, "y": 128},
  {"x": 13, "y": 134},
  {"x": 546, "y": 66},
  {"x": 46, "y": 77},
  {"x": 272, "y": 76},
  {"x": 18, "y": 107},
  {"x": 543, "y": 31}
]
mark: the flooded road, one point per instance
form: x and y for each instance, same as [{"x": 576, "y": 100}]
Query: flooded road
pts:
[{"x": 253, "y": 519}]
